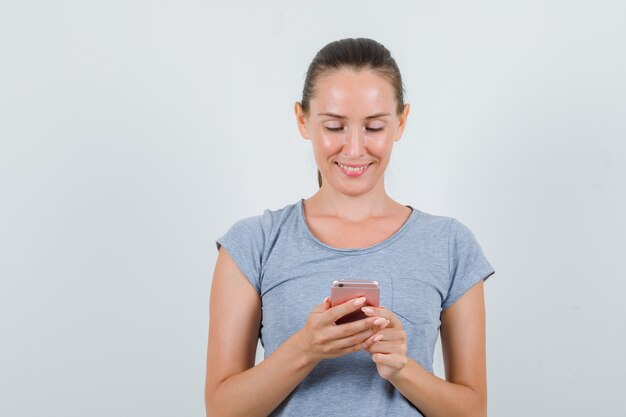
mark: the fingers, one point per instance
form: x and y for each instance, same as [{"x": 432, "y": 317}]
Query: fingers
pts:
[
  {"x": 381, "y": 346},
  {"x": 350, "y": 343},
  {"x": 381, "y": 322},
  {"x": 338, "y": 311},
  {"x": 374, "y": 339},
  {"x": 340, "y": 331},
  {"x": 385, "y": 341},
  {"x": 329, "y": 342},
  {"x": 394, "y": 321},
  {"x": 388, "y": 351},
  {"x": 329, "y": 339},
  {"x": 379, "y": 319}
]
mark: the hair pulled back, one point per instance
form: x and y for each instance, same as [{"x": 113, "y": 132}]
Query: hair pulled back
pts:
[{"x": 354, "y": 53}]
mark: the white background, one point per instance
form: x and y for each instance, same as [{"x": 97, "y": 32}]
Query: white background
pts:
[{"x": 134, "y": 133}]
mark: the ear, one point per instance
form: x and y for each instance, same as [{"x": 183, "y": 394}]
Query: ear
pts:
[
  {"x": 301, "y": 120},
  {"x": 403, "y": 119}
]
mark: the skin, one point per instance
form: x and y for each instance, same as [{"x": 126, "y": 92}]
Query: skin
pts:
[
  {"x": 355, "y": 95},
  {"x": 346, "y": 212}
]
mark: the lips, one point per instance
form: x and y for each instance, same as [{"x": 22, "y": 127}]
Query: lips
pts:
[
  {"x": 352, "y": 165},
  {"x": 353, "y": 170}
]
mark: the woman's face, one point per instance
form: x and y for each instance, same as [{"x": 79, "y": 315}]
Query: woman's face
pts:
[{"x": 352, "y": 122}]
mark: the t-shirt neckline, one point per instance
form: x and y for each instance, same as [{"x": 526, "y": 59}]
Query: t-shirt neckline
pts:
[{"x": 307, "y": 232}]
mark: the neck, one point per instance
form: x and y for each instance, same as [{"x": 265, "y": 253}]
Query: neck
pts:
[{"x": 356, "y": 208}]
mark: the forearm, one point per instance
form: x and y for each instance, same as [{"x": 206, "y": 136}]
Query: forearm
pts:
[
  {"x": 260, "y": 389},
  {"x": 436, "y": 397}
]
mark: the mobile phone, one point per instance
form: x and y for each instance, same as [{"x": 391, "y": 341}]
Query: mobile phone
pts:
[{"x": 343, "y": 290}]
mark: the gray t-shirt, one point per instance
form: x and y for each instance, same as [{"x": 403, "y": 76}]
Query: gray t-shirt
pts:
[{"x": 422, "y": 269}]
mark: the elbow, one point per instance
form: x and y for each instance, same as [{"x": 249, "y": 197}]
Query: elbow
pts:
[
  {"x": 474, "y": 403},
  {"x": 480, "y": 411},
  {"x": 479, "y": 408},
  {"x": 210, "y": 403},
  {"x": 211, "y": 409},
  {"x": 214, "y": 403}
]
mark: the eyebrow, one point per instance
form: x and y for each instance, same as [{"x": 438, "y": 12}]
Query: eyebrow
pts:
[{"x": 339, "y": 116}]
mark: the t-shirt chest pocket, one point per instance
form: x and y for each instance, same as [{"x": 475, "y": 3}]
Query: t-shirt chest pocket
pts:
[{"x": 415, "y": 300}]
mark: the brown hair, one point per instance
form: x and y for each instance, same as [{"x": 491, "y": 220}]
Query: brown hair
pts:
[{"x": 356, "y": 53}]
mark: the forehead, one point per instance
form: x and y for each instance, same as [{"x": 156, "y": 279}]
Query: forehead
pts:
[{"x": 352, "y": 93}]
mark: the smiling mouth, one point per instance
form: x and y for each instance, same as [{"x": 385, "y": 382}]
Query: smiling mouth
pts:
[{"x": 353, "y": 171}]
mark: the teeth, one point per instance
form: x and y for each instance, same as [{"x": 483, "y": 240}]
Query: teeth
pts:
[{"x": 350, "y": 169}]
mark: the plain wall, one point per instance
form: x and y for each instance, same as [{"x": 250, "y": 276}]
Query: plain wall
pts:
[{"x": 133, "y": 134}]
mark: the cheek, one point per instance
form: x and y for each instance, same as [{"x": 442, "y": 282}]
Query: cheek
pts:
[
  {"x": 328, "y": 145},
  {"x": 379, "y": 146}
]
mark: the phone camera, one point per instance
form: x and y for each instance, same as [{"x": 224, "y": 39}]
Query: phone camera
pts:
[{"x": 341, "y": 285}]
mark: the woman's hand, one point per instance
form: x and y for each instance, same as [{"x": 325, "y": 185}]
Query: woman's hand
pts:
[
  {"x": 321, "y": 338},
  {"x": 387, "y": 346}
]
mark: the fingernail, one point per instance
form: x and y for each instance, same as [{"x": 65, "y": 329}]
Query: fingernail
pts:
[
  {"x": 368, "y": 310},
  {"x": 358, "y": 301},
  {"x": 379, "y": 321},
  {"x": 377, "y": 338}
]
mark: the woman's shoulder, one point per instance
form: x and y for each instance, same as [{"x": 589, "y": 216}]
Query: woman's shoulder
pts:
[
  {"x": 268, "y": 220},
  {"x": 448, "y": 227},
  {"x": 431, "y": 221}
]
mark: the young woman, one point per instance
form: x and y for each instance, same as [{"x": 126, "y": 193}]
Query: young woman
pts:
[{"x": 273, "y": 270}]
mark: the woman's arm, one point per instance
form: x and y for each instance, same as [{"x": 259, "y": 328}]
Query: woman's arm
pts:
[
  {"x": 234, "y": 386},
  {"x": 464, "y": 392}
]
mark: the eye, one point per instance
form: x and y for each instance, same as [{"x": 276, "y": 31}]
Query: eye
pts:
[
  {"x": 334, "y": 129},
  {"x": 371, "y": 129}
]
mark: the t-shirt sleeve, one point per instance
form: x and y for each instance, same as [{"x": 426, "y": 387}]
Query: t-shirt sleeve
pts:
[
  {"x": 244, "y": 241},
  {"x": 467, "y": 264}
]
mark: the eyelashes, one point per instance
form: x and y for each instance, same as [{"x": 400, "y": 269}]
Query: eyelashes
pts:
[{"x": 339, "y": 129}]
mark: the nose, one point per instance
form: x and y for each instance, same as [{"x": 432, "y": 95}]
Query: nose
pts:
[{"x": 355, "y": 144}]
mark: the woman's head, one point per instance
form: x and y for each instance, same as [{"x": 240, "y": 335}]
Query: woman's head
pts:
[{"x": 352, "y": 109}]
